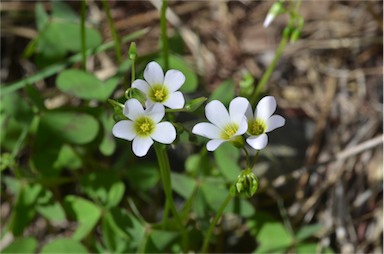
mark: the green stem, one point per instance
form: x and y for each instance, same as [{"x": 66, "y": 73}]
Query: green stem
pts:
[
  {"x": 246, "y": 156},
  {"x": 214, "y": 222},
  {"x": 112, "y": 27},
  {"x": 165, "y": 173},
  {"x": 255, "y": 159},
  {"x": 133, "y": 71},
  {"x": 267, "y": 74},
  {"x": 164, "y": 37},
  {"x": 82, "y": 31}
]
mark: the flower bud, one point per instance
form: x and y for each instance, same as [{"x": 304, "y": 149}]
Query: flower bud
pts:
[
  {"x": 132, "y": 53},
  {"x": 195, "y": 104},
  {"x": 246, "y": 183},
  {"x": 276, "y": 9}
]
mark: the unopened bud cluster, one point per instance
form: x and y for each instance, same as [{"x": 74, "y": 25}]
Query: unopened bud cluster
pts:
[{"x": 246, "y": 183}]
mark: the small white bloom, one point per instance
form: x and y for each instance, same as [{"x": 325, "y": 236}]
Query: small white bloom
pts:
[
  {"x": 262, "y": 121},
  {"x": 224, "y": 126},
  {"x": 268, "y": 20},
  {"x": 144, "y": 126},
  {"x": 161, "y": 89}
]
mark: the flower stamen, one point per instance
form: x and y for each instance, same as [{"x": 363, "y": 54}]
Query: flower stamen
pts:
[
  {"x": 144, "y": 126},
  {"x": 229, "y": 131},
  {"x": 159, "y": 93},
  {"x": 256, "y": 127}
]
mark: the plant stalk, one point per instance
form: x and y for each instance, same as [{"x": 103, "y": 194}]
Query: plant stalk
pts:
[
  {"x": 115, "y": 36},
  {"x": 164, "y": 37},
  {"x": 214, "y": 222},
  {"x": 83, "y": 37}
]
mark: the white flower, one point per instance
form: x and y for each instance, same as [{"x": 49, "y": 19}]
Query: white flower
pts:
[
  {"x": 262, "y": 121},
  {"x": 144, "y": 126},
  {"x": 268, "y": 20},
  {"x": 161, "y": 89},
  {"x": 223, "y": 127}
]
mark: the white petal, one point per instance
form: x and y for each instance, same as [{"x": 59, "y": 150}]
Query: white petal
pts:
[
  {"x": 237, "y": 109},
  {"x": 217, "y": 114},
  {"x": 154, "y": 74},
  {"x": 124, "y": 129},
  {"x": 156, "y": 112},
  {"x": 275, "y": 122},
  {"x": 133, "y": 108},
  {"x": 142, "y": 85},
  {"x": 265, "y": 108},
  {"x": 165, "y": 133},
  {"x": 207, "y": 130},
  {"x": 174, "y": 79},
  {"x": 213, "y": 144},
  {"x": 268, "y": 20},
  {"x": 258, "y": 142},
  {"x": 175, "y": 100},
  {"x": 140, "y": 146},
  {"x": 243, "y": 127},
  {"x": 249, "y": 112}
]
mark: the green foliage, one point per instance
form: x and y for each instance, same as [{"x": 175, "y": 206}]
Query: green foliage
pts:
[
  {"x": 85, "y": 85},
  {"x": 64, "y": 245},
  {"x": 22, "y": 245},
  {"x": 224, "y": 92}
]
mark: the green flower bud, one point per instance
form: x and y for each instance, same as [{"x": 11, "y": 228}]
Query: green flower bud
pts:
[
  {"x": 246, "y": 183},
  {"x": 195, "y": 104},
  {"x": 295, "y": 35},
  {"x": 132, "y": 53}
]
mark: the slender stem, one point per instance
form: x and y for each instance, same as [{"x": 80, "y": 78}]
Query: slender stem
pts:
[
  {"x": 164, "y": 37},
  {"x": 113, "y": 31},
  {"x": 133, "y": 71},
  {"x": 82, "y": 31},
  {"x": 255, "y": 159},
  {"x": 246, "y": 156},
  {"x": 165, "y": 173},
  {"x": 214, "y": 222},
  {"x": 267, "y": 74}
]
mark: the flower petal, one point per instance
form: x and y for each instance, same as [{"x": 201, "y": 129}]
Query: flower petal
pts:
[
  {"x": 154, "y": 74},
  {"x": 175, "y": 100},
  {"x": 258, "y": 142},
  {"x": 142, "y": 85},
  {"x": 165, "y": 133},
  {"x": 217, "y": 114},
  {"x": 249, "y": 112},
  {"x": 174, "y": 79},
  {"x": 140, "y": 146},
  {"x": 124, "y": 129},
  {"x": 207, "y": 130},
  {"x": 133, "y": 109},
  {"x": 237, "y": 109},
  {"x": 243, "y": 127},
  {"x": 275, "y": 122},
  {"x": 214, "y": 143},
  {"x": 265, "y": 108},
  {"x": 156, "y": 112}
]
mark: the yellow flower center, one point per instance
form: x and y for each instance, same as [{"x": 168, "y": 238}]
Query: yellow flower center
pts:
[
  {"x": 158, "y": 93},
  {"x": 228, "y": 131},
  {"x": 144, "y": 126},
  {"x": 256, "y": 127}
]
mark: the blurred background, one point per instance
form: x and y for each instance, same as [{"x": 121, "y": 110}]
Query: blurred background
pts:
[{"x": 325, "y": 165}]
